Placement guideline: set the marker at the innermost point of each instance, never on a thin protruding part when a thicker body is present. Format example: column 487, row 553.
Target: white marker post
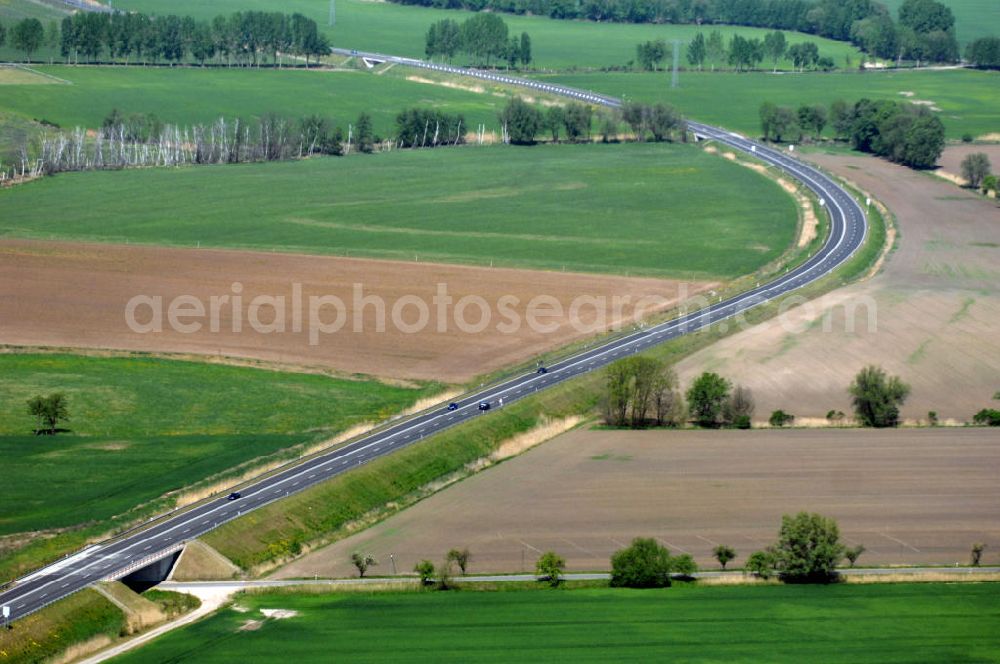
column 6, row 616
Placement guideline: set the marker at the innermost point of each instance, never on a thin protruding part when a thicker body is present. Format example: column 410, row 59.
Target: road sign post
column 6, row 616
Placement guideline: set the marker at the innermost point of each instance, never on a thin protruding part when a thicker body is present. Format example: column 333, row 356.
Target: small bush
column 780, row 418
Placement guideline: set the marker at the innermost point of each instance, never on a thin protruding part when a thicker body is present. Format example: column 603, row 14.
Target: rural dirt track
column 74, row 295
column 937, row 306
column 910, row 496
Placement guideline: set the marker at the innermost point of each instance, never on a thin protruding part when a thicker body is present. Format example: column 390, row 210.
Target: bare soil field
column 76, row 295
column 930, row 316
column 910, row 496
column 951, row 159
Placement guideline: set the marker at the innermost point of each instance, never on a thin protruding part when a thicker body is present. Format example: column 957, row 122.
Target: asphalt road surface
column 116, row 558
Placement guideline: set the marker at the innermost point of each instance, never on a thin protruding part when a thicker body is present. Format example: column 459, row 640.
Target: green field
column 973, row 18
column 969, row 100
column 194, row 95
column 668, row 210
column 400, row 30
column 141, row 427
column 876, row 623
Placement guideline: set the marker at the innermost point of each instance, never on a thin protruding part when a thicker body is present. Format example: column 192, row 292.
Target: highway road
column 116, row 558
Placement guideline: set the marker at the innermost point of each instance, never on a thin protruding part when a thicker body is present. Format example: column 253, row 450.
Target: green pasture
column 142, row 427
column 846, row 623
column 187, row 95
column 969, row 101
column 666, row 210
column 400, row 30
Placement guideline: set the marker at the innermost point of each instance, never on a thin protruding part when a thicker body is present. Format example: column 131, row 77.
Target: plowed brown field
column 931, row 315
column 75, row 295
column 910, row 496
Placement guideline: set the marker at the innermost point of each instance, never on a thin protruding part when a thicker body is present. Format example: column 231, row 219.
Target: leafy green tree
column 460, row 557
column 975, row 167
column 364, row 135
column 724, row 554
column 28, row 36
column 803, row 55
column 706, row 398
column 989, row 184
column 780, row 418
column 522, row 121
column 443, row 39
column 425, row 570
column 363, row 562
column 984, row 53
column 525, row 53
column 3, row 34
column 49, row 411
column 923, row 142
column 715, row 48
column 877, row 397
column 853, row 553
column 664, row 122
column 642, row 564
column 987, row 417
column 577, row 118
column 775, row 46
column 813, row 119
column 841, row 118
column 485, row 37
column 697, row 51
column 808, row 547
column 683, row 565
column 761, row 563
column 977, row 553
column 650, row 54
column 513, row 53
column 554, row 121
column 549, row 568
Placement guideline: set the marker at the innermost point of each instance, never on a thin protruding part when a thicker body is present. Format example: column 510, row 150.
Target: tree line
column 740, row 53
column 902, row 132
column 923, row 31
column 142, row 140
column 643, row 391
column 483, row 38
column 522, row 123
column 984, row 53
column 243, row 38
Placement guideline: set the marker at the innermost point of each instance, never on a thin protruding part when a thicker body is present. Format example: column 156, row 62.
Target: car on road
column 542, row 370
column 484, row 405
column 453, row 406
column 235, row 495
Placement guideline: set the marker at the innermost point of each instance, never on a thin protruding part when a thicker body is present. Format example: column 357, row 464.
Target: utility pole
column 333, row 12
column 677, row 57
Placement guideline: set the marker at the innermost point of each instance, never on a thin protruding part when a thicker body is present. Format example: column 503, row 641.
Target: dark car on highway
column 542, row 370
column 453, row 406
column 484, row 405
column 234, row 495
